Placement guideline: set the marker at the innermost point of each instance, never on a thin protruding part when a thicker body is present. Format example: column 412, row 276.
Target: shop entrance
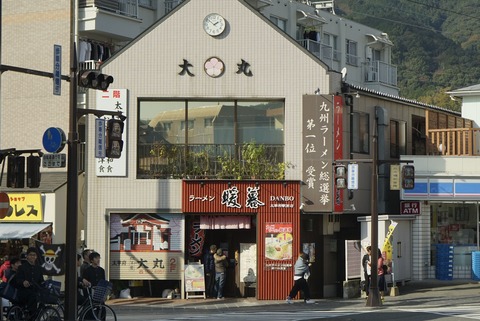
column 227, row 232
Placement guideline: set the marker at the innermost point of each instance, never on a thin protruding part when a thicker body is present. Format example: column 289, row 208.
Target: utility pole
column 373, row 299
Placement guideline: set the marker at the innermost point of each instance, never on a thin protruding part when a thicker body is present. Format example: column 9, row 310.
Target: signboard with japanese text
column 318, row 153
column 338, row 146
column 222, row 196
column 113, row 100
column 278, row 241
column 410, row 207
column 24, row 208
column 146, row 246
column 146, row 265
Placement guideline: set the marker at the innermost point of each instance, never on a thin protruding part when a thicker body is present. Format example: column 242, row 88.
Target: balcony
column 454, row 141
column 246, row 161
column 116, row 20
column 324, row 52
column 378, row 71
column 127, row 8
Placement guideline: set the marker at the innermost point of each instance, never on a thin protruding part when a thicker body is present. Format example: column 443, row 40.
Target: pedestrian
column 94, row 273
column 29, row 280
column 81, row 283
column 15, row 263
column 382, row 285
column 221, row 265
column 4, row 267
column 301, row 274
column 86, row 260
column 367, row 269
column 209, row 267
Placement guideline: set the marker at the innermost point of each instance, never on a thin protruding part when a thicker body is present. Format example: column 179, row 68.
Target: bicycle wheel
column 15, row 313
column 98, row 312
column 48, row 314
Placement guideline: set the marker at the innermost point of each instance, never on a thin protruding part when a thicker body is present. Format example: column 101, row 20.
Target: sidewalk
column 413, row 293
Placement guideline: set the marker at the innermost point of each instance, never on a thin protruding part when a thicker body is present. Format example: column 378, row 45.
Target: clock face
column 214, row 24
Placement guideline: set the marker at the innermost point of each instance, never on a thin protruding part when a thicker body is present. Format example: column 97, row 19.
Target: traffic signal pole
column 72, row 180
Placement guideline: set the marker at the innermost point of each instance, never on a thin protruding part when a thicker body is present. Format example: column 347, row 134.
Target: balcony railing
column 454, row 141
column 378, row 71
column 322, row 51
column 169, row 161
column 127, row 8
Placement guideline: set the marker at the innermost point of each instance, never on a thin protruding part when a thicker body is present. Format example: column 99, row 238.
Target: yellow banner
column 387, row 245
column 24, row 208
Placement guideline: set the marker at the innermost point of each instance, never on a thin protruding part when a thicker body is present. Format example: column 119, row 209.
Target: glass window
column 281, row 23
column 172, row 132
column 398, row 138
column 351, row 54
column 360, row 133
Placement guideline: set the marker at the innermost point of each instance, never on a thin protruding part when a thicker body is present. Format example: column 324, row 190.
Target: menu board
column 248, row 262
column 194, row 277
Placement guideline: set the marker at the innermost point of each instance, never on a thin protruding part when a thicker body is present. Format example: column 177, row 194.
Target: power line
column 443, row 9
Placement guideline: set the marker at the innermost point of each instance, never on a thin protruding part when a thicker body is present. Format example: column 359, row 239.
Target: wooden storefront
column 276, row 207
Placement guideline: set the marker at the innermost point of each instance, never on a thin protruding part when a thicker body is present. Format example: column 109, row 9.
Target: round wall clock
column 214, row 24
column 214, row 67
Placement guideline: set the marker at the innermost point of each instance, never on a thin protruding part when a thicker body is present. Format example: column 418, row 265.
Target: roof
column 466, row 91
column 404, row 100
column 49, row 183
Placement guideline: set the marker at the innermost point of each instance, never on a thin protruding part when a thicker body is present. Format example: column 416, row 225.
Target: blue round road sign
column 54, row 140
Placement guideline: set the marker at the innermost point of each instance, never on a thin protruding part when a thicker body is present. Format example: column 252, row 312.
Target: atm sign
column 410, row 208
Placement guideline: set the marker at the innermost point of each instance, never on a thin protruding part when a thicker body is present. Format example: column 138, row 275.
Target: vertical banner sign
column 395, row 177
column 100, row 143
column 57, row 70
column 317, row 145
column 338, row 146
column 114, row 100
column 387, row 248
column 352, row 176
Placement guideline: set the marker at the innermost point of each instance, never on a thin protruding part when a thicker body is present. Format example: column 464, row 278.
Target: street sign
column 57, row 70
column 352, row 176
column 395, row 177
column 54, row 160
column 54, row 140
column 100, row 139
column 410, row 207
column 4, row 204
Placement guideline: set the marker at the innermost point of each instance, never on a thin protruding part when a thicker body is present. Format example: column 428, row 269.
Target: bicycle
column 94, row 307
column 45, row 311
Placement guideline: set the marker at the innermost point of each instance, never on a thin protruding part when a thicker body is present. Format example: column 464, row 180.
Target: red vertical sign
column 338, row 147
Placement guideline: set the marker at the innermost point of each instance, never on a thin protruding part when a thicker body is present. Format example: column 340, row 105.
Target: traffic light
column 33, row 171
column 340, row 176
column 114, row 138
column 16, row 171
column 408, row 177
column 94, row 80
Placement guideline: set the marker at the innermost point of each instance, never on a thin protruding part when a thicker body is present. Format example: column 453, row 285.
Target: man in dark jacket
column 209, row 267
column 29, row 280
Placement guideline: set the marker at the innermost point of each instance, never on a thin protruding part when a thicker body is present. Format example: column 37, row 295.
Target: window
column 187, row 125
column 398, row 138
column 216, row 129
column 331, row 40
column 281, row 23
column 352, row 58
column 208, row 122
column 360, row 133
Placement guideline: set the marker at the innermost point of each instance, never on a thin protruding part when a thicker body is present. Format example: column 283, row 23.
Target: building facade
column 231, row 135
